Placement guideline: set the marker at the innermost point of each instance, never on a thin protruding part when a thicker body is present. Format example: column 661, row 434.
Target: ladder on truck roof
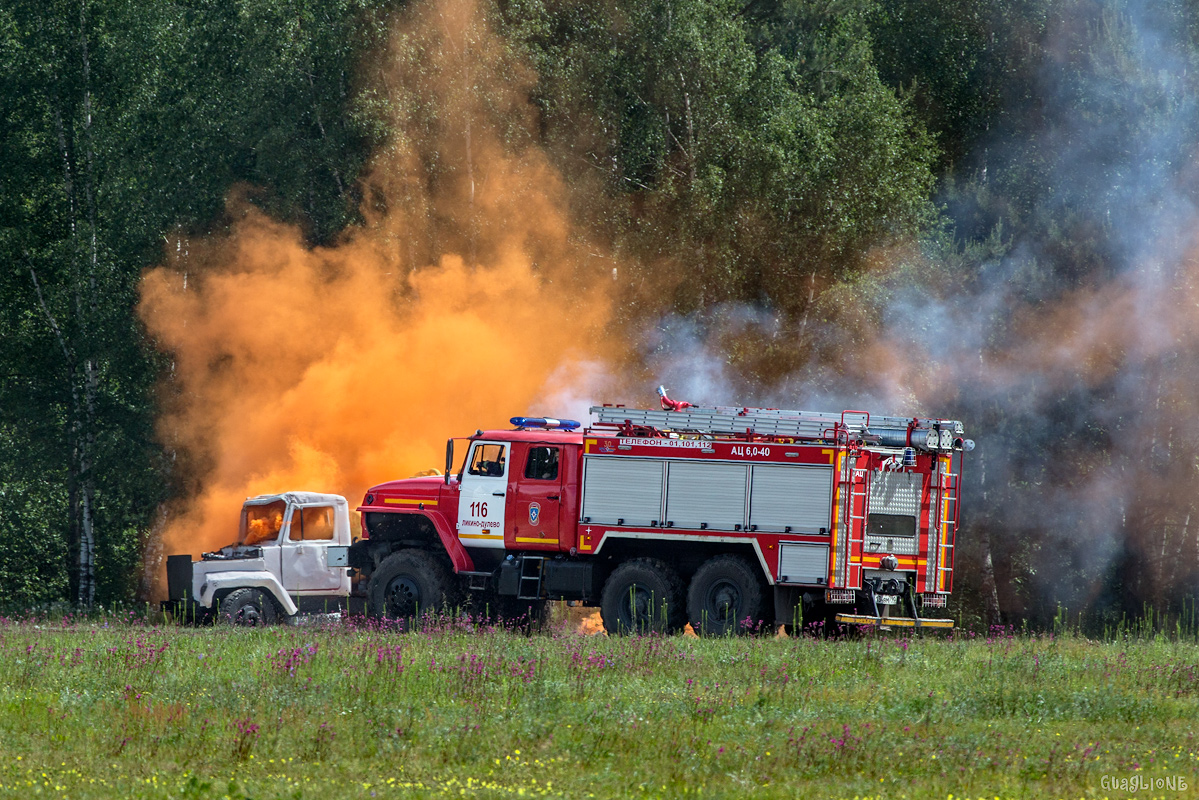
column 734, row 421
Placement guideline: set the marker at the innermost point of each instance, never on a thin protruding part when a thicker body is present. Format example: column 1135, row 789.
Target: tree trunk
column 87, row 537
column 990, row 588
column 83, row 383
column 470, row 178
column 690, row 136
column 87, row 531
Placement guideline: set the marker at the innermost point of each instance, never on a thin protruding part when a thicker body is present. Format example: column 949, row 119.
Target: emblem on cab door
column 534, row 513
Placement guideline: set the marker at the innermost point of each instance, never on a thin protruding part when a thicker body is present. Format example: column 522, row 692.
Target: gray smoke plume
column 1072, row 356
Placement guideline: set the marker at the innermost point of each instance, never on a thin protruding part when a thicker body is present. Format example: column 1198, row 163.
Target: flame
column 587, row 622
column 336, row 368
column 263, row 522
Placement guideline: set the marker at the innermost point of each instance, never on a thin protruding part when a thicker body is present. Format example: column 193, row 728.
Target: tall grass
column 117, row 707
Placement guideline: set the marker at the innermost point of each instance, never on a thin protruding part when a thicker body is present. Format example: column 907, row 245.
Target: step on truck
column 726, row 518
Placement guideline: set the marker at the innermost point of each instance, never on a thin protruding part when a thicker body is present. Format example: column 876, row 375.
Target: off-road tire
column 251, row 608
column 725, row 597
column 642, row 595
column 408, row 584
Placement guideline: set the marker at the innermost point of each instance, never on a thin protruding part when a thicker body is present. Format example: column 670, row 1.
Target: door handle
column 497, row 494
column 552, row 497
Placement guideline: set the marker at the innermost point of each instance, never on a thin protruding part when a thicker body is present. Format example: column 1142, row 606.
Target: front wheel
column 644, row 595
column 725, row 597
column 407, row 584
column 249, row 608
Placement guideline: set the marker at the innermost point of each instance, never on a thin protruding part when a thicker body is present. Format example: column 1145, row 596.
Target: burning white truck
column 291, row 556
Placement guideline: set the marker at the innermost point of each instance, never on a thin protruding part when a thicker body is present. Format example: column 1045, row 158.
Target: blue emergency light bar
column 548, row 423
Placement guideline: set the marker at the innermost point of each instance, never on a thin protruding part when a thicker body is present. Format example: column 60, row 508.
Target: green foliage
column 32, row 511
column 123, row 125
column 967, row 65
column 750, row 148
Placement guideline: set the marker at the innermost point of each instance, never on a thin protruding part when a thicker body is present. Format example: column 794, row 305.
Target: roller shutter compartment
column 803, row 563
column 795, row 498
column 706, row 495
column 628, row 489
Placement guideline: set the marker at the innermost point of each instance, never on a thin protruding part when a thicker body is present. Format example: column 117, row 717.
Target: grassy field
column 118, row 708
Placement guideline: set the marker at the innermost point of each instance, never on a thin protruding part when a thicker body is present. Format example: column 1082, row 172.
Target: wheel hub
column 724, row 598
column 403, row 596
column 638, row 607
column 250, row 615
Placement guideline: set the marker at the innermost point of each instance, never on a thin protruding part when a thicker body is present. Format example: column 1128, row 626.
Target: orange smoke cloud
column 450, row 309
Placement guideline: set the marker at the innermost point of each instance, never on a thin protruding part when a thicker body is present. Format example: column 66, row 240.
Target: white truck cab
column 291, row 556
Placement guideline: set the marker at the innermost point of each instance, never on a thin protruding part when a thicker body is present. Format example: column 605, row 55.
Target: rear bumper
column 893, row 622
column 179, row 577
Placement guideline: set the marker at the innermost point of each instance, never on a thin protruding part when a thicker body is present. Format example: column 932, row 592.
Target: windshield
column 261, row 523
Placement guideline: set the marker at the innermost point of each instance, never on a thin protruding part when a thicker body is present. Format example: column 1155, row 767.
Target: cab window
column 542, row 464
column 311, row 524
column 488, row 460
column 262, row 523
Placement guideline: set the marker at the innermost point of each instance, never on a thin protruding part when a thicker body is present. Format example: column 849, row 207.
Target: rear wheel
column 250, row 608
column 409, row 583
column 725, row 597
column 644, row 595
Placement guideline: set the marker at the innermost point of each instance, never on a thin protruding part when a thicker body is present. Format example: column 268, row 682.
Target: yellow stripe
column 480, row 536
column 587, row 445
column 397, row 501
column 537, row 541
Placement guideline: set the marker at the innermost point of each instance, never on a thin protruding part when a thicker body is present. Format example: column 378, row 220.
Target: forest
column 248, row 243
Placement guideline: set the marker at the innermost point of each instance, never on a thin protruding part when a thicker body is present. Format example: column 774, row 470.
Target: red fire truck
column 727, row 518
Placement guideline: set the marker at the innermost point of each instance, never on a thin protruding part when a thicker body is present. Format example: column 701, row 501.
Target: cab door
column 305, row 551
column 537, row 486
column 484, row 489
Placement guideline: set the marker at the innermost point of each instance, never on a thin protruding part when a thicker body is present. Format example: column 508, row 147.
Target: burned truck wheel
column 407, row 584
column 725, row 597
column 247, row 607
column 641, row 596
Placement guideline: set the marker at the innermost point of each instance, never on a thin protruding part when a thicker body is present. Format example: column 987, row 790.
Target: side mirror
column 449, row 459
